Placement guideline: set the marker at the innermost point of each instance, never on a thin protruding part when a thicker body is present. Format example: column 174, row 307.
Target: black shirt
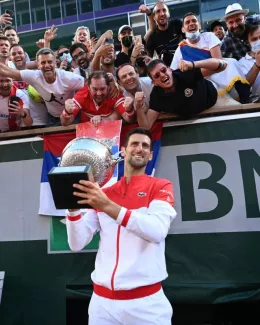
column 193, row 94
column 122, row 57
column 165, row 42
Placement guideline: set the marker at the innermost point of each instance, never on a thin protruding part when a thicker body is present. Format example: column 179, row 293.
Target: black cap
column 216, row 23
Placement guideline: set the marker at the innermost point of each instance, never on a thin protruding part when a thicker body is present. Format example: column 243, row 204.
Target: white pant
column 151, row 310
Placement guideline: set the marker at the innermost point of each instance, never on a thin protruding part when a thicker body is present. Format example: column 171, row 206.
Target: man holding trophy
column 133, row 217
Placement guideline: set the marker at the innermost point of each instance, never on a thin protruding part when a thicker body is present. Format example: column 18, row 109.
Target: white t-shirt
column 207, row 41
column 55, row 94
column 5, row 117
column 146, row 86
column 246, row 64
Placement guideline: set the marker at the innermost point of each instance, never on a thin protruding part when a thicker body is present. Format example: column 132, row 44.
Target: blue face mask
column 193, row 36
column 255, row 46
column 66, row 56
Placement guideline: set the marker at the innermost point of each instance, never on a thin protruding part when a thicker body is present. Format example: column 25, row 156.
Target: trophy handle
column 116, row 158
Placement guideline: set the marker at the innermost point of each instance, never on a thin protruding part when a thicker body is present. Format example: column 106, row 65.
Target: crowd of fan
column 174, row 68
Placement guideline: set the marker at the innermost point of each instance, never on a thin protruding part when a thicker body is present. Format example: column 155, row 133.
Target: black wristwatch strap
column 24, row 115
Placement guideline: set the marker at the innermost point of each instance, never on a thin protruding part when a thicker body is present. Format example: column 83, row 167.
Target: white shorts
column 151, row 310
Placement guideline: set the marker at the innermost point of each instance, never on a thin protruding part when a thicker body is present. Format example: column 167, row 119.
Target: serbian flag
column 53, row 147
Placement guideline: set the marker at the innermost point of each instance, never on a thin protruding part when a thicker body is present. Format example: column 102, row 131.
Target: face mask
column 255, row 46
column 193, row 36
column 127, row 41
column 66, row 56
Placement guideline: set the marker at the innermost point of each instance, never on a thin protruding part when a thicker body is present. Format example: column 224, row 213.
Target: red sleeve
column 165, row 193
column 118, row 106
column 80, row 99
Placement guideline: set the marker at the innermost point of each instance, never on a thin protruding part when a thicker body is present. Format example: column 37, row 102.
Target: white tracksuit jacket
column 131, row 251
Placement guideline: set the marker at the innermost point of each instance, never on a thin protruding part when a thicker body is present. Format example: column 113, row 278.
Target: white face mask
column 255, row 46
column 193, row 36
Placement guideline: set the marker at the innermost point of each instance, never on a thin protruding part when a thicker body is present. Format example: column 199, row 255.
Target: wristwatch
column 24, row 115
column 150, row 13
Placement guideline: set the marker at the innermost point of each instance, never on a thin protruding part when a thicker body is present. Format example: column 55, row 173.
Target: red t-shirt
column 89, row 108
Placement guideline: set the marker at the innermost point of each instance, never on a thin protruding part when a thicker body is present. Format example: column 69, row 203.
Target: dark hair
column 10, row 28
column 138, row 130
column 152, row 64
column 62, row 47
column 159, row 3
column 98, row 75
column 4, row 38
column 250, row 29
column 188, row 14
column 216, row 23
column 124, row 65
column 74, row 46
column 43, row 52
column 14, row 45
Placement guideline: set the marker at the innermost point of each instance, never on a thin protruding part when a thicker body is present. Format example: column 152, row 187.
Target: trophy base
column 61, row 181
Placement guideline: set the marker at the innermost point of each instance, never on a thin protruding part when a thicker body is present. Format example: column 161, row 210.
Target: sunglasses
column 61, row 54
column 76, row 56
column 157, row 74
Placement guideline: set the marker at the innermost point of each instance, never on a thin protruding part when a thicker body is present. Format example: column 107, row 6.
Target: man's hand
column 96, row 120
column 143, row 9
column 185, row 65
column 64, row 64
column 40, row 43
column 138, row 50
column 128, row 104
column 93, row 42
column 6, row 19
column 70, row 106
column 16, row 108
column 92, row 195
column 105, row 49
column 50, row 34
column 139, row 99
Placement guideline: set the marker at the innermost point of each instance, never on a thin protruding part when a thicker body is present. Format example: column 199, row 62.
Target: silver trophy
column 83, row 158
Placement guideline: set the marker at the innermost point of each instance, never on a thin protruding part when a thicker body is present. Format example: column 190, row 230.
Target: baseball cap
column 124, row 27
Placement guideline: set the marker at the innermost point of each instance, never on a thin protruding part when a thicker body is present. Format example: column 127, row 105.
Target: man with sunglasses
column 65, row 58
column 184, row 92
column 80, row 56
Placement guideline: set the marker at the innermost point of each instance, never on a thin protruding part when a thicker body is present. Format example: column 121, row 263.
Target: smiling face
column 47, row 63
column 236, row 23
column 128, row 78
column 18, row 57
column 82, row 36
column 190, row 24
column 162, row 76
column 138, row 152
column 161, row 14
column 80, row 57
column 5, row 85
column 98, row 90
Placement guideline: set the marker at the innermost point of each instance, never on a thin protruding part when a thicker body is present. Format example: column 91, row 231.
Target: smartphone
column 9, row 12
column 138, row 38
column 109, row 41
column 14, row 99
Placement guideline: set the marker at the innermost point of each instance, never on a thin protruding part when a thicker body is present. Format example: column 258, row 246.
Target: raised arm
column 151, row 23
column 5, row 71
column 208, row 67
